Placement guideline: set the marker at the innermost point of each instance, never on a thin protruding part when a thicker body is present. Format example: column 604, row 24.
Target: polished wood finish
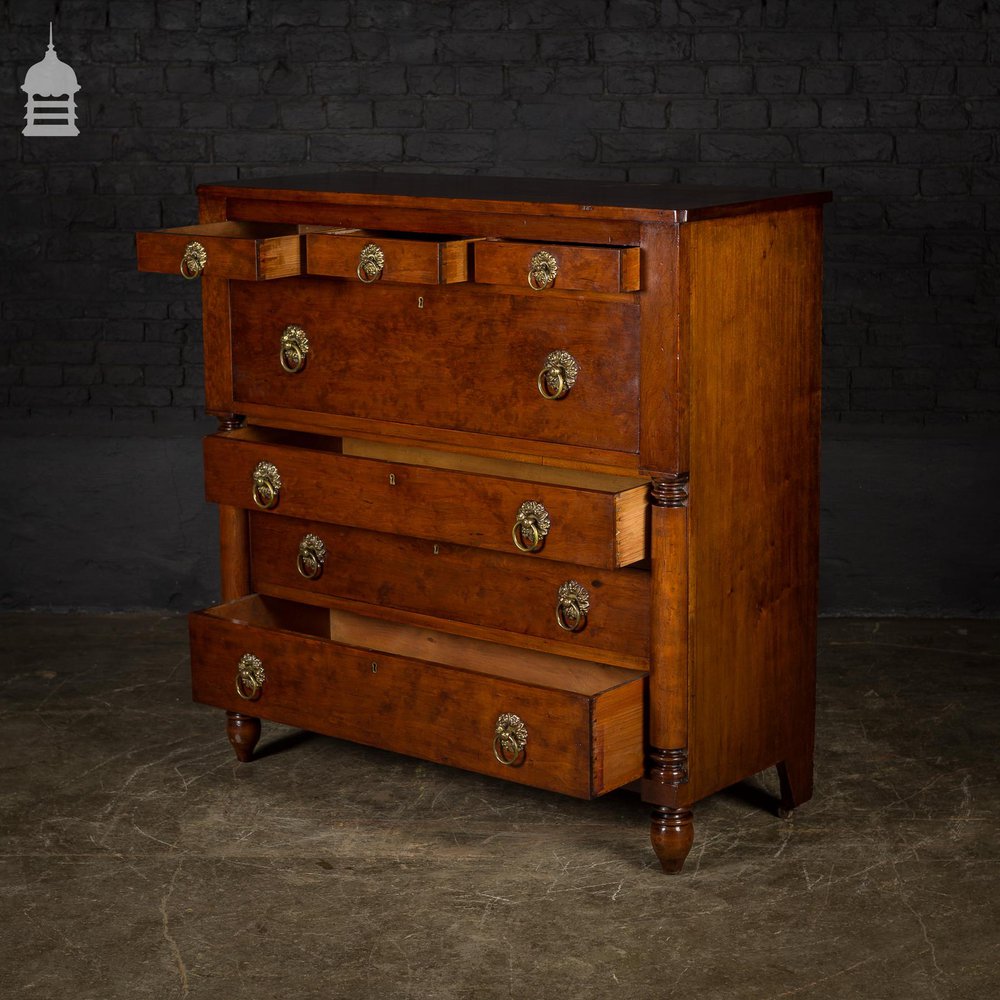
column 248, row 251
column 598, row 525
column 425, row 695
column 460, row 357
column 589, row 269
column 680, row 473
column 244, row 733
column 419, row 259
column 452, row 585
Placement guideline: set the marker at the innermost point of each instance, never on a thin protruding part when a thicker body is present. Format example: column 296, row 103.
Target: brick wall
column 892, row 104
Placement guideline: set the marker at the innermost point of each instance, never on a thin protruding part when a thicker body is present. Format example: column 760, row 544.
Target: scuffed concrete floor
column 140, row 860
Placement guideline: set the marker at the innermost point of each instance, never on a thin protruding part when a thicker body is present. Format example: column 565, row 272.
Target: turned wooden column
column 234, row 552
column 665, row 785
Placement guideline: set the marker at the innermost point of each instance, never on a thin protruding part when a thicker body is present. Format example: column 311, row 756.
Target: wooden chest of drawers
column 518, row 476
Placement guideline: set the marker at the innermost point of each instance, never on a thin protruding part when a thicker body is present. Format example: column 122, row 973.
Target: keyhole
column 437, row 550
column 420, row 302
column 374, row 668
column 392, row 478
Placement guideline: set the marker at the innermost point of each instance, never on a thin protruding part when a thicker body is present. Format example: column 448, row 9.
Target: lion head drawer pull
column 558, row 375
column 193, row 260
column 572, row 606
column 371, row 260
column 542, row 270
column 510, row 737
column 294, row 348
column 266, row 485
column 249, row 677
column 531, row 527
column 312, row 555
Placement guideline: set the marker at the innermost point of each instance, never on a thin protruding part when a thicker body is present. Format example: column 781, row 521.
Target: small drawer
column 371, row 257
column 543, row 266
column 585, row 518
column 246, row 251
column 563, row 607
column 566, row 725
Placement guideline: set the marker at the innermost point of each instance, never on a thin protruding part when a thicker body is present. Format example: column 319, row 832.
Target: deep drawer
column 422, row 693
column 584, row 518
column 247, row 251
column 455, row 357
column 532, row 602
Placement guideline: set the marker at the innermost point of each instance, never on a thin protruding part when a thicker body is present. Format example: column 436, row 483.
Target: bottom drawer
column 578, row 726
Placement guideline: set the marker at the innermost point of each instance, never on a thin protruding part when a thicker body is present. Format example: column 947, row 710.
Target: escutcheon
column 531, row 527
column 558, row 375
column 193, row 260
column 542, row 270
column 371, row 261
column 249, row 677
column 294, row 348
column 312, row 555
column 266, row 485
column 510, row 737
column 572, row 605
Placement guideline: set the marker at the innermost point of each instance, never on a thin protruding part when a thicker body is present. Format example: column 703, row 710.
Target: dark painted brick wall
column 892, row 104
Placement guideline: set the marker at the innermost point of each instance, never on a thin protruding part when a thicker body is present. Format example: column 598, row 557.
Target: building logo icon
column 51, row 88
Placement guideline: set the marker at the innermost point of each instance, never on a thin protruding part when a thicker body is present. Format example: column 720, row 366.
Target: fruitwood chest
column 516, row 476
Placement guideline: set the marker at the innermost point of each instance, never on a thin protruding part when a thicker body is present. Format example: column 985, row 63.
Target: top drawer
column 247, row 251
column 416, row 258
column 542, row 266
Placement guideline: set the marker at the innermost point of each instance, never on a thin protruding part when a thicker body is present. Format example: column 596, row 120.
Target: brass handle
column 572, row 606
column 266, row 485
column 312, row 555
column 558, row 375
column 294, row 348
column 371, row 260
column 542, row 270
column 510, row 737
column 249, row 677
column 193, row 260
column 531, row 527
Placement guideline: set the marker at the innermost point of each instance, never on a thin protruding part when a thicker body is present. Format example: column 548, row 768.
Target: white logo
column 50, row 86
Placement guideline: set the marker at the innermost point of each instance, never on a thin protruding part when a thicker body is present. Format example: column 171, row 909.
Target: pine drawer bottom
column 567, row 725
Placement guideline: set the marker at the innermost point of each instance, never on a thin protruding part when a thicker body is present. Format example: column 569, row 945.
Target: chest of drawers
column 516, row 476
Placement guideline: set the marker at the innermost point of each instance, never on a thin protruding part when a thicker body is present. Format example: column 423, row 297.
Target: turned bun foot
column 243, row 732
column 671, row 834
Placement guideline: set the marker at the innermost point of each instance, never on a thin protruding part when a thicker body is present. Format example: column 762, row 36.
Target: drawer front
column 478, row 587
column 247, row 251
column 375, row 257
column 593, row 527
column 544, row 266
column 460, row 358
column 582, row 743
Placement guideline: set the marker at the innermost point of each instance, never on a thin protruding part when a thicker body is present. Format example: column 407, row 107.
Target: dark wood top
column 525, row 195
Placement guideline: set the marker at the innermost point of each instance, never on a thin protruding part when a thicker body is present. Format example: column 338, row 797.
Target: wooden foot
column 795, row 775
column 243, row 732
column 671, row 833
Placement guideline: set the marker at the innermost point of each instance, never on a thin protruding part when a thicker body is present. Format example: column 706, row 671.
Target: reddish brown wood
column 234, row 552
column 671, row 834
column 593, row 526
column 444, row 711
column 243, row 732
column 459, row 357
column 589, row 269
column 414, row 260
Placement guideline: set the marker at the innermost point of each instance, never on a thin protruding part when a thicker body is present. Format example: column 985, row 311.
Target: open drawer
column 369, row 256
column 542, row 266
column 581, row 517
column 567, row 725
column 246, row 251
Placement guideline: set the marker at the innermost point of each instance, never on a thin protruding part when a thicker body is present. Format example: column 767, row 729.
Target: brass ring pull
column 193, row 260
column 371, row 260
column 531, row 527
column 510, row 737
column 572, row 606
column 249, row 677
column 542, row 271
column 558, row 375
column 312, row 555
column 266, row 485
column 294, row 348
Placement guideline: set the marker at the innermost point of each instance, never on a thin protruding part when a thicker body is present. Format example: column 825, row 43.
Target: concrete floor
column 140, row 860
